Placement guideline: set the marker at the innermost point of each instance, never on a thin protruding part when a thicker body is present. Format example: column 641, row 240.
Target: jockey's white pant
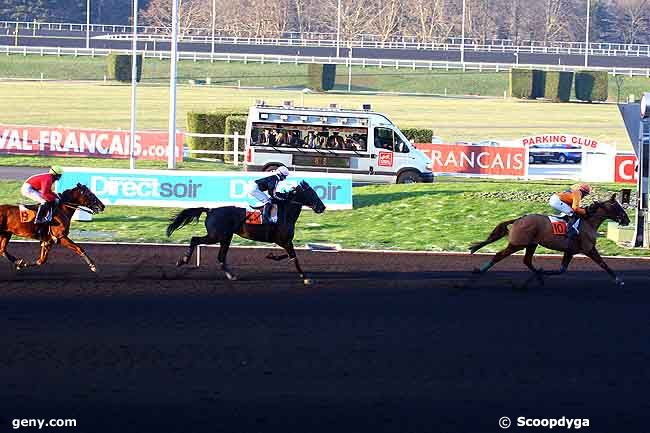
column 28, row 191
column 260, row 196
column 559, row 205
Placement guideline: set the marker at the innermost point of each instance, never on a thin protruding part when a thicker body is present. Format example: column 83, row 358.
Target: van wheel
column 562, row 159
column 271, row 167
column 408, row 176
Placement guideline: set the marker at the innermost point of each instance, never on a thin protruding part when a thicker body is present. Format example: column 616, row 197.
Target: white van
column 360, row 142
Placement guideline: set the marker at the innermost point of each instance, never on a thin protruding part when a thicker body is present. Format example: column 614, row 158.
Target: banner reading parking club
column 81, row 142
column 184, row 189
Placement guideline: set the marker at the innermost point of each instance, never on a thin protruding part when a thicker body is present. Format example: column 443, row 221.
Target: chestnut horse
column 71, row 199
column 532, row 230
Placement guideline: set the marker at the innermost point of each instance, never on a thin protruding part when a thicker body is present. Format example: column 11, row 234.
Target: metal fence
column 321, row 39
column 345, row 61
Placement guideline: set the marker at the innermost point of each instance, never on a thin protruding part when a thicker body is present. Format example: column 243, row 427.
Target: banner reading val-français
column 82, row 142
column 166, row 188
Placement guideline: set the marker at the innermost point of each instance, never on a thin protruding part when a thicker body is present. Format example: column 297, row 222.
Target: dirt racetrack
column 380, row 343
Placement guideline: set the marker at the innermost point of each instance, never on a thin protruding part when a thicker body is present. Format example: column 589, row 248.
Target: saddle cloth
column 253, row 216
column 558, row 225
column 27, row 213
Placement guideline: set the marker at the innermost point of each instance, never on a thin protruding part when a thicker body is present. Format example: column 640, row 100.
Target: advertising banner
column 566, row 140
column 80, row 142
column 477, row 160
column 184, row 189
column 625, row 168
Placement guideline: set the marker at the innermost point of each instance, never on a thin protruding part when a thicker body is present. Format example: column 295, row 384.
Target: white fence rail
column 226, row 36
column 235, row 137
column 345, row 61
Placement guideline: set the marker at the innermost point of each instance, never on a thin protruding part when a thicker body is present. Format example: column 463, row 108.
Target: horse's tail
column 499, row 231
column 185, row 217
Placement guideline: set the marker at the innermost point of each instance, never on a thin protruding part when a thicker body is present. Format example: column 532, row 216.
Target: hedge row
column 208, row 123
column 236, row 123
column 118, row 67
column 321, row 78
column 418, row 135
column 592, row 85
column 556, row 86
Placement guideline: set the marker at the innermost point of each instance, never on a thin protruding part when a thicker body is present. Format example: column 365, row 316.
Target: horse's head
column 305, row 195
column 611, row 209
column 81, row 195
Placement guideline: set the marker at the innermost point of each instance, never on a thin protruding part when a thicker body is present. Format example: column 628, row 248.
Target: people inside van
column 268, row 137
column 311, row 141
column 283, row 138
column 295, row 140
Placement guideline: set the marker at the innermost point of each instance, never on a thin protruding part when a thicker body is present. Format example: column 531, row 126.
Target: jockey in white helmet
column 265, row 190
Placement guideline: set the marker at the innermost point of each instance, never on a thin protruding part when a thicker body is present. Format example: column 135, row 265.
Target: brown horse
column 71, row 199
column 532, row 230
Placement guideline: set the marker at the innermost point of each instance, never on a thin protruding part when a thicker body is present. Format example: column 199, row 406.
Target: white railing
column 345, row 61
column 323, row 39
column 236, row 137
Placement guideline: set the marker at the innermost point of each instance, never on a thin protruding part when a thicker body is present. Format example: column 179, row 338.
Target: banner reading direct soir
column 163, row 188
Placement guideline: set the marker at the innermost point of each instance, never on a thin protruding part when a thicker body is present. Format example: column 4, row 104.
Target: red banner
column 481, row 160
column 625, row 169
column 95, row 143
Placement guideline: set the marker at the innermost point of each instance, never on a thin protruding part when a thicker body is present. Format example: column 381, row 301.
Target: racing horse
column 70, row 200
column 223, row 222
column 532, row 230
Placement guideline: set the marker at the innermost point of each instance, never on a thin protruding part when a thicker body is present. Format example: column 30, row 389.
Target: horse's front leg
column 291, row 252
column 46, row 247
column 68, row 243
column 594, row 255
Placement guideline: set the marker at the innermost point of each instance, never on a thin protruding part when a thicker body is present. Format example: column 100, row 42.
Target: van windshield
column 309, row 136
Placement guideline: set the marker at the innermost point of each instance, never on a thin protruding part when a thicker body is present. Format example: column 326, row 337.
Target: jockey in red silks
column 39, row 189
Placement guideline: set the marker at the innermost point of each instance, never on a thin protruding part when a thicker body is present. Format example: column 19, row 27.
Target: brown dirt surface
column 381, row 342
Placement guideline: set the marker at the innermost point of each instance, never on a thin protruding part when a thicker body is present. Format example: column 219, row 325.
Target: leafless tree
column 192, row 14
column 429, row 18
column 633, row 22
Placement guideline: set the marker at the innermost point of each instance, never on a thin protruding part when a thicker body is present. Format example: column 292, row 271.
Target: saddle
column 253, row 216
column 27, row 212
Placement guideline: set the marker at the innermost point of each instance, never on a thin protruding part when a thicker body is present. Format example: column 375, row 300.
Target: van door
column 384, row 154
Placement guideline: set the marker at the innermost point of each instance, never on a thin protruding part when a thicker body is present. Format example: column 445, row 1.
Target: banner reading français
column 81, row 142
column 184, row 189
column 475, row 160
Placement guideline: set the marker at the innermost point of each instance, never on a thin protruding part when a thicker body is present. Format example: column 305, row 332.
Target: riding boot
column 266, row 213
column 41, row 213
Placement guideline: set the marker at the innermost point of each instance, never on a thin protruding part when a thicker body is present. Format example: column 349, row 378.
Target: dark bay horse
column 532, row 230
column 71, row 200
column 223, row 222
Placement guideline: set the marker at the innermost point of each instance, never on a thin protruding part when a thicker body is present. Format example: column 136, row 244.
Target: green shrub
column 207, row 123
column 321, row 78
column 539, row 83
column 418, row 135
column 592, row 85
column 119, row 67
column 234, row 124
column 521, row 83
column 558, row 86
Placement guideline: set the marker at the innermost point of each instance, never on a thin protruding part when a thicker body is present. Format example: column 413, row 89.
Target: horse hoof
column 476, row 271
column 182, row 261
column 307, row 281
column 619, row 282
column 20, row 264
column 93, row 268
column 231, row 277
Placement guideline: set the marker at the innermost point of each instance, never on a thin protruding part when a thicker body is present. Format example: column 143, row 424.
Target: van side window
column 400, row 145
column 384, row 139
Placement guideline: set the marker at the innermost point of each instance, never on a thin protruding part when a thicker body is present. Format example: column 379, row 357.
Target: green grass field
column 77, row 104
column 445, row 216
column 372, row 79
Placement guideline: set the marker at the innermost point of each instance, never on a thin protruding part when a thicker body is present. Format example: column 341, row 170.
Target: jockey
column 569, row 203
column 39, row 189
column 269, row 185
